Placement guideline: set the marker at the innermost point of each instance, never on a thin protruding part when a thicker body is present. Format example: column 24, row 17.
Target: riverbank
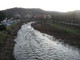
column 34, row 45
column 7, row 41
column 64, row 33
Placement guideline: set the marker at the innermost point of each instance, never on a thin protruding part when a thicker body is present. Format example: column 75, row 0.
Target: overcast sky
column 51, row 5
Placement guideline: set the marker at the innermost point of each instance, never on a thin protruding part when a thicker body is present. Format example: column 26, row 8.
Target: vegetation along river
column 34, row 45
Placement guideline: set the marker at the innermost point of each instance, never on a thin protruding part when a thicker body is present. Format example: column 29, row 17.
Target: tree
column 2, row 16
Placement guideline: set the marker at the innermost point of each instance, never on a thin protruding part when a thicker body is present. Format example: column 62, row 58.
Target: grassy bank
column 75, row 30
column 7, row 41
column 65, row 33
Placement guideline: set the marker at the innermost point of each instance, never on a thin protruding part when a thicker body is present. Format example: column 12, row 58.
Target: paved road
column 34, row 45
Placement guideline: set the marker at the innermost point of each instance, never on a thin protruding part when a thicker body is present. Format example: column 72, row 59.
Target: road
column 34, row 45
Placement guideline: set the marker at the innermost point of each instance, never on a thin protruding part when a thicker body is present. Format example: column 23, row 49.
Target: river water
column 34, row 45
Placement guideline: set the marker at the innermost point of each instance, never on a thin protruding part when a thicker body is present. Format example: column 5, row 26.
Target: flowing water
column 34, row 45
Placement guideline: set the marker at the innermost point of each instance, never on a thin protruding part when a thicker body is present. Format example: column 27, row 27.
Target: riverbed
column 34, row 45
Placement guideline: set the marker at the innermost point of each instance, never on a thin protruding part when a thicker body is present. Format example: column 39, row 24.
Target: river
column 34, row 45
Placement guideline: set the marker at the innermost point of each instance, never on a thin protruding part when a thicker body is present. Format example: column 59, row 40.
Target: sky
column 48, row 5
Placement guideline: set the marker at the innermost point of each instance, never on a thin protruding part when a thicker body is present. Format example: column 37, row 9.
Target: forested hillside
column 24, row 13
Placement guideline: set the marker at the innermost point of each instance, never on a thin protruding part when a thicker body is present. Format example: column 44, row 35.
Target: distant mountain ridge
column 34, row 11
column 22, row 11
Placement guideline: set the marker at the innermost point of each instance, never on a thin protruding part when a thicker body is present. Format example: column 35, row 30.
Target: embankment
column 63, row 34
column 7, row 41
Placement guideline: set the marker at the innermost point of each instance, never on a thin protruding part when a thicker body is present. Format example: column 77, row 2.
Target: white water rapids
column 34, row 45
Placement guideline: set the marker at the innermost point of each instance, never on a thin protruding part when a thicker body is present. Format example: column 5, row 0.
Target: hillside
column 23, row 12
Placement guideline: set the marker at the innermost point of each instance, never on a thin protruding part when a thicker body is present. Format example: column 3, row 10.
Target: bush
column 2, row 27
column 2, row 16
